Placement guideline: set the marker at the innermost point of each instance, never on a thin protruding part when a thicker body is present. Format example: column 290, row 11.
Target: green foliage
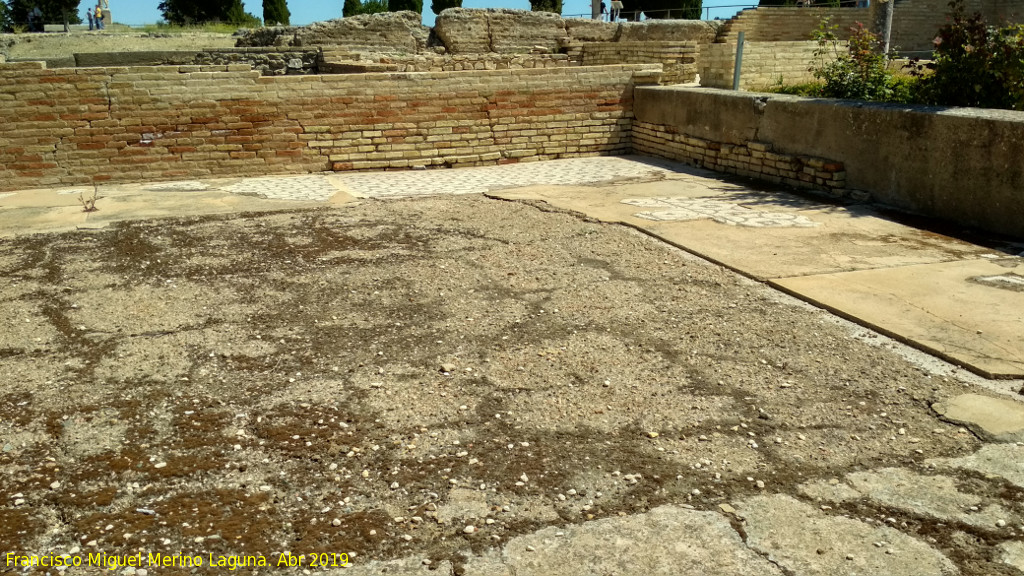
column 546, row 6
column 275, row 12
column 6, row 25
column 402, row 5
column 976, row 64
column 861, row 72
column 192, row 12
column 355, row 7
column 438, row 6
column 54, row 12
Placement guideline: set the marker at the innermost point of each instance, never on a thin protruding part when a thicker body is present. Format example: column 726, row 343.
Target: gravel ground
column 374, row 379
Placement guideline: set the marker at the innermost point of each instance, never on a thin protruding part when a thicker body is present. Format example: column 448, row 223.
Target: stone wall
column 88, row 125
column 459, row 62
column 785, row 23
column 268, row 61
column 915, row 22
column 678, row 59
column 765, row 64
column 398, row 31
column 961, row 165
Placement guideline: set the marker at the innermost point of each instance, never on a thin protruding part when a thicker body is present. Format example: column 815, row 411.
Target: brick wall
column 915, row 22
column 938, row 163
column 784, row 23
column 765, row 64
column 751, row 159
column 80, row 125
column 678, row 59
column 449, row 62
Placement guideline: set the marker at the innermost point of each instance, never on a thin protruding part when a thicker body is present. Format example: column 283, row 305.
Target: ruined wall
column 678, row 59
column 960, row 164
column 402, row 31
column 459, row 62
column 765, row 64
column 81, row 125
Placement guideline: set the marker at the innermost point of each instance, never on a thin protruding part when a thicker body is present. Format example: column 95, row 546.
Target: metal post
column 739, row 62
column 890, row 7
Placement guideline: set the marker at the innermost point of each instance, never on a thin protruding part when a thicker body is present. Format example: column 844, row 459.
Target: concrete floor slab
column 763, row 234
column 994, row 419
column 949, row 309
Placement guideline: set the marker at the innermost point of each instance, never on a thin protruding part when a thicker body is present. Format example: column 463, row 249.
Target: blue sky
column 306, row 11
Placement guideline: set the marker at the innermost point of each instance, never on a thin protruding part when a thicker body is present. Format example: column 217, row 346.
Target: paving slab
column 806, row 541
column 994, row 419
column 1005, row 461
column 948, row 309
column 931, row 496
column 667, row 541
column 764, row 234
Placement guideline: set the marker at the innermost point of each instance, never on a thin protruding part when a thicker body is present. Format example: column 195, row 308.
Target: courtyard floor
column 588, row 366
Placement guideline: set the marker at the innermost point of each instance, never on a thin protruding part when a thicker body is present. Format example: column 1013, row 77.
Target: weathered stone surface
column 1003, row 460
column 464, row 30
column 588, row 30
column 669, row 540
column 463, row 504
column 934, row 496
column 404, row 567
column 994, row 419
column 660, row 30
column 806, row 541
column 399, row 31
column 1012, row 553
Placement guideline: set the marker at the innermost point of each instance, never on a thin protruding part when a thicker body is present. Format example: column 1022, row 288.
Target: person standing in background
column 99, row 17
column 616, row 9
column 88, row 14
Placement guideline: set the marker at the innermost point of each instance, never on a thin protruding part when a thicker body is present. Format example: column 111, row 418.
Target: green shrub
column 861, row 72
column 976, row 64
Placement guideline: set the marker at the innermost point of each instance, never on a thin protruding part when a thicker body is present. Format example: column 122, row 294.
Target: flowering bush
column 975, row 64
column 860, row 72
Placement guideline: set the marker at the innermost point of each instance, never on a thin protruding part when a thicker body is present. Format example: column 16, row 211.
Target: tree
column 54, row 11
column 239, row 17
column 276, row 12
column 546, row 6
column 5, row 18
column 355, row 7
column 188, row 12
column 438, row 6
column 401, row 5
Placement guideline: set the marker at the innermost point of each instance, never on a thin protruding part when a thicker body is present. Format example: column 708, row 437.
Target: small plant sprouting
column 89, row 203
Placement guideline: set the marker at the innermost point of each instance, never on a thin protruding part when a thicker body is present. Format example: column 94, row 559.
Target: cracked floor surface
column 466, row 386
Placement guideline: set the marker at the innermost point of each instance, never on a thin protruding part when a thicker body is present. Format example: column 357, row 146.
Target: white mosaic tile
column 184, row 186
column 567, row 172
column 682, row 209
column 304, row 188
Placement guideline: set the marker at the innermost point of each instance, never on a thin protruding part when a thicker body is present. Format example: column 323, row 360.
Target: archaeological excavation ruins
column 514, row 294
